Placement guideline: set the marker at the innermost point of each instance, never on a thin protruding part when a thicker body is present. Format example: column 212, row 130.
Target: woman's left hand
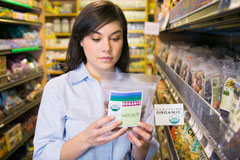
column 141, row 135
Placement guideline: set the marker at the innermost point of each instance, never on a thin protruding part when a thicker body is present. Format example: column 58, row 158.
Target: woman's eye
column 96, row 39
column 116, row 39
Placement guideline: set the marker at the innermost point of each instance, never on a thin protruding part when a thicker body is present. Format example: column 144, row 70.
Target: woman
column 71, row 122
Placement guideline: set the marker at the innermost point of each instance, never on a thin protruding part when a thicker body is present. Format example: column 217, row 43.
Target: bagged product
column 172, row 56
column 129, row 96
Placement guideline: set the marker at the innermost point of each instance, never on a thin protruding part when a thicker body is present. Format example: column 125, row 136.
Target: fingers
column 102, row 121
column 145, row 135
column 147, row 127
column 109, row 127
column 117, row 134
column 134, row 140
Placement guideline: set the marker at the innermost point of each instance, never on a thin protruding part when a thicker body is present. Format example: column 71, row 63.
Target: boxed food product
column 18, row 15
column 31, row 17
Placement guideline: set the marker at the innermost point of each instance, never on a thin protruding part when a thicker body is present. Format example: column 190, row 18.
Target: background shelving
column 13, row 82
column 210, row 24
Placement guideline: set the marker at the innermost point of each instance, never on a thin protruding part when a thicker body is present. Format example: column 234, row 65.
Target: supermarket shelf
column 136, row 45
column 20, row 50
column 208, row 17
column 19, row 6
column 24, row 140
column 136, row 31
column 19, row 112
column 61, row 15
column 171, row 148
column 136, row 70
column 137, row 56
column 63, row 34
column 21, row 81
column 56, row 48
column 15, row 21
column 202, row 114
column 135, row 20
column 57, row 72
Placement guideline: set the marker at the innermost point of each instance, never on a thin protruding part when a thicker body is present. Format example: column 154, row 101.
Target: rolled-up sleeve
column 49, row 133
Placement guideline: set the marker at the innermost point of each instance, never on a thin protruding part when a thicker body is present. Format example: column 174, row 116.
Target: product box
column 12, row 132
column 31, row 17
column 5, row 12
column 18, row 15
column 14, row 141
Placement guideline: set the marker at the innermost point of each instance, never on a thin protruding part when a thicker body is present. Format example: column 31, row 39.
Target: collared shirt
column 69, row 104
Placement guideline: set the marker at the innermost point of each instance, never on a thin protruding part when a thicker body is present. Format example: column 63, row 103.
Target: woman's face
column 103, row 47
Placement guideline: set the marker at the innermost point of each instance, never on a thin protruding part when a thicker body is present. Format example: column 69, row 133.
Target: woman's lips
column 106, row 59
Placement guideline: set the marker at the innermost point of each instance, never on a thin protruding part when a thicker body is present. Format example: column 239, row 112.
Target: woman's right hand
column 99, row 132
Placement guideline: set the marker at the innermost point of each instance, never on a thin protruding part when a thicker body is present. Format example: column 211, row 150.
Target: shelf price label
column 191, row 121
column 195, row 128
column 208, row 150
column 199, row 135
column 234, row 4
column 169, row 114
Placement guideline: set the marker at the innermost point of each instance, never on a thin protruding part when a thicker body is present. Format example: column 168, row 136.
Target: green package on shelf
column 18, row 3
column 25, row 49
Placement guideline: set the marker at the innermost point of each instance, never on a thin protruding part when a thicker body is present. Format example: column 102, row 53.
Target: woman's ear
column 81, row 44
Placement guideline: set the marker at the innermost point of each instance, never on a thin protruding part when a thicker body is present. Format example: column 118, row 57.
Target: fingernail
column 119, row 122
column 125, row 128
column 112, row 117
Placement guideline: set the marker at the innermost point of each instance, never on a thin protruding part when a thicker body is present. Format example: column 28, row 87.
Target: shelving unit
column 213, row 23
column 15, row 115
column 49, row 18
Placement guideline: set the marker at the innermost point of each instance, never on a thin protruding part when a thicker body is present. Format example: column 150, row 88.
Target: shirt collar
column 81, row 73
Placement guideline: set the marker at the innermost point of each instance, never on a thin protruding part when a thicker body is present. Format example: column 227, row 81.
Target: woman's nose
column 107, row 46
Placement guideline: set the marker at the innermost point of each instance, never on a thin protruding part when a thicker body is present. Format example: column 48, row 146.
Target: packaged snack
column 126, row 95
column 172, row 56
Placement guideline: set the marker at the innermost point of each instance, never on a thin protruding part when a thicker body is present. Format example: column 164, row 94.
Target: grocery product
column 65, row 25
column 57, row 25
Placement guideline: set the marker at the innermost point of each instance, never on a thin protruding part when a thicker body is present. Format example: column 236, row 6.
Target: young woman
column 71, row 122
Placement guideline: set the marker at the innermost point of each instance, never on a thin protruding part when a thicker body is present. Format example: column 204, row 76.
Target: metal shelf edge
column 23, row 80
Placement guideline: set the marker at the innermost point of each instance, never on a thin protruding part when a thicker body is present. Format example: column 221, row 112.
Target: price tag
column 195, row 128
column 176, row 98
column 186, row 20
column 174, row 95
column 199, row 135
column 208, row 150
column 191, row 121
column 234, row 4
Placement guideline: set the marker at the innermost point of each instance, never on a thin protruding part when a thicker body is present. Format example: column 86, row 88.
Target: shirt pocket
column 74, row 125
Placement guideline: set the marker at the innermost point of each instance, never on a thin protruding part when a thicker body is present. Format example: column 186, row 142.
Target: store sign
column 169, row 114
column 151, row 28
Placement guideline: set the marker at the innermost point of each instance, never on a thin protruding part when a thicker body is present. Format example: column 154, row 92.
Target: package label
column 126, row 106
column 169, row 114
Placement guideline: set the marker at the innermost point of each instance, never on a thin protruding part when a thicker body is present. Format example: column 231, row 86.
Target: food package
column 172, row 56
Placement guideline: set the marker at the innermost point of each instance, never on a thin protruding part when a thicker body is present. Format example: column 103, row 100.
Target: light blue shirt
column 69, row 104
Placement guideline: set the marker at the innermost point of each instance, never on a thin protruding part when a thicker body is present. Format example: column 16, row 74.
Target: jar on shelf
column 57, row 6
column 56, row 25
column 65, row 25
